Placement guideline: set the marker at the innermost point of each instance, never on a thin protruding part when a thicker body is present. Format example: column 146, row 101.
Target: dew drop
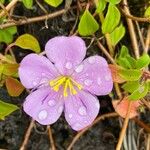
column 42, row 114
column 34, row 83
column 68, row 65
column 88, row 82
column 51, row 102
column 91, row 60
column 99, row 81
column 82, row 111
column 79, row 69
column 141, row 89
column 70, row 116
column 60, row 109
column 107, row 77
column 43, row 74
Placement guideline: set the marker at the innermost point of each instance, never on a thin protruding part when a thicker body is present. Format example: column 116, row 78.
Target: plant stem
column 8, row 7
column 124, row 128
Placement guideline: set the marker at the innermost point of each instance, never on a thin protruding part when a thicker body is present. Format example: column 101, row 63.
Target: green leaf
column 114, row 1
column 10, row 69
column 124, row 51
column 5, row 36
column 131, row 86
column 130, row 74
column 117, row 34
column 132, row 61
column 111, row 20
column 6, row 109
column 2, row 1
column 12, row 30
column 100, row 6
column 27, row 41
column 87, row 25
column 143, row 61
column 28, row 3
column 14, row 87
column 54, row 3
column 147, row 12
column 123, row 62
column 140, row 92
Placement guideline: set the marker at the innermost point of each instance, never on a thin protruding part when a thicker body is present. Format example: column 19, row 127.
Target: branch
column 8, row 7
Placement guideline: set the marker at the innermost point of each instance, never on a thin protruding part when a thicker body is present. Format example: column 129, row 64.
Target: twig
column 8, row 7
column 124, row 128
column 3, row 58
column 78, row 135
column 51, row 138
column 139, row 19
column 36, row 19
column 147, row 42
column 27, row 135
column 140, row 35
column 105, row 52
column 142, row 124
column 131, row 30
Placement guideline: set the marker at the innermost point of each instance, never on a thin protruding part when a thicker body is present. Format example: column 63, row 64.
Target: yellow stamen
column 79, row 86
column 72, row 89
column 67, row 83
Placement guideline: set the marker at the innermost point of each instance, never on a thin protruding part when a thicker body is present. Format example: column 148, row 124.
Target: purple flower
column 63, row 81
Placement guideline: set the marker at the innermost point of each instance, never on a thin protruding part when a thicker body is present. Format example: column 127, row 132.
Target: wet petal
column 66, row 52
column 35, row 69
column 81, row 110
column 44, row 106
column 94, row 75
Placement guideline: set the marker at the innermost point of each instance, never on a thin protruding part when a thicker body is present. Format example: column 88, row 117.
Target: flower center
column 69, row 85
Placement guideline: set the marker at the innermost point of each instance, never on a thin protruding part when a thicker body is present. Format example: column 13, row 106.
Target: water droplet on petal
column 42, row 114
column 77, row 126
column 51, row 102
column 43, row 74
column 99, row 81
column 34, row 83
column 91, row 60
column 88, row 82
column 82, row 111
column 70, row 116
column 60, row 109
column 68, row 65
column 79, row 69
column 107, row 77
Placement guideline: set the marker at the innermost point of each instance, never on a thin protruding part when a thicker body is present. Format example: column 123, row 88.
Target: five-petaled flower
column 63, row 81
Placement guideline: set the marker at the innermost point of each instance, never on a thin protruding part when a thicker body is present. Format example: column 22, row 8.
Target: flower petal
column 44, row 106
column 81, row 110
column 66, row 52
column 94, row 75
column 35, row 69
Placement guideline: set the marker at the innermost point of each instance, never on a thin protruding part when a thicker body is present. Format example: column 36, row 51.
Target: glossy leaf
column 131, row 86
column 6, row 35
column 6, row 109
column 140, row 92
column 121, row 107
column 100, row 6
column 117, row 34
column 143, row 61
column 111, row 20
column 27, row 41
column 130, row 74
column 54, row 3
column 87, row 25
column 28, row 3
column 14, row 87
